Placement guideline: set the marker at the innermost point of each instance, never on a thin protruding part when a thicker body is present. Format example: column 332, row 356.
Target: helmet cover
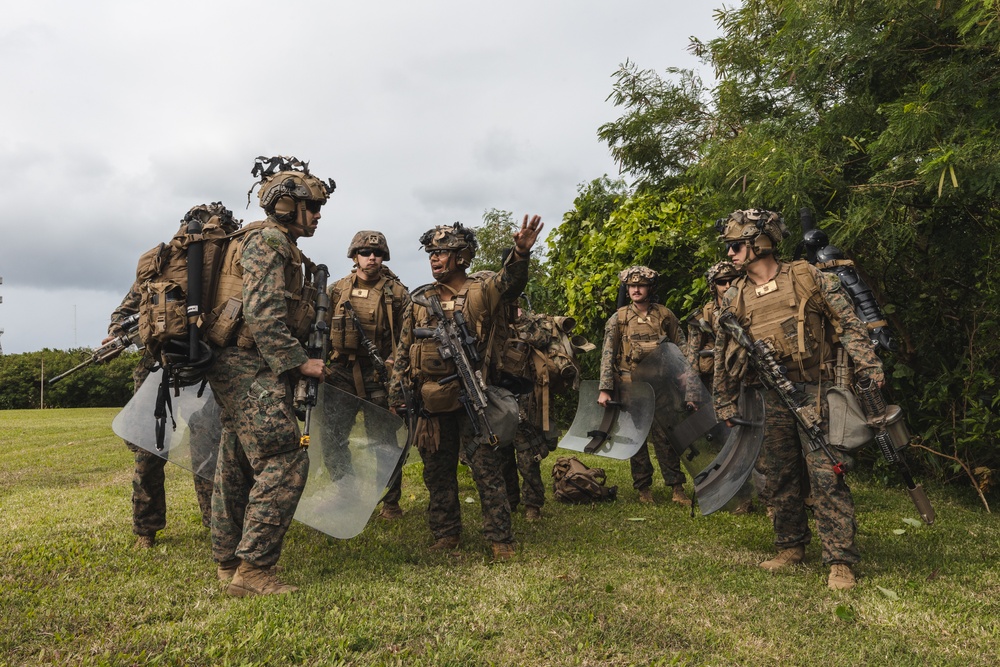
column 748, row 225
column 282, row 177
column 456, row 238
column 723, row 269
column 368, row 238
column 206, row 212
column 638, row 275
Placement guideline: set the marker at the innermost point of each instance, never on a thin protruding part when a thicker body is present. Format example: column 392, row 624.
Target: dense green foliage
column 105, row 385
column 614, row 584
column 878, row 115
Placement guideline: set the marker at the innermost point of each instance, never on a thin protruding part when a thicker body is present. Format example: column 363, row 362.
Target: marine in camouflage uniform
column 700, row 350
column 379, row 299
column 807, row 317
column 532, row 334
column 149, row 501
column 629, row 335
column 443, row 427
column 262, row 468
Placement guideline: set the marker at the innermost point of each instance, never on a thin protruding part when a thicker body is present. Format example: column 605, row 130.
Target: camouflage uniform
column 261, row 470
column 617, row 365
column 352, row 370
column 700, row 350
column 532, row 443
column 440, row 436
column 149, row 500
column 828, row 321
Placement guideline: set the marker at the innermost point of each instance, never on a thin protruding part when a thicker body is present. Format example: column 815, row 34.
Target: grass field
column 615, row 584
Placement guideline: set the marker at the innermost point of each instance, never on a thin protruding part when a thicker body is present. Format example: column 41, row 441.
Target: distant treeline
column 96, row 386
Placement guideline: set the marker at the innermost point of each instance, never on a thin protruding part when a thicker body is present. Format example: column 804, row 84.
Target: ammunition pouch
column 301, row 311
column 162, row 312
column 437, row 398
column 343, row 334
column 225, row 319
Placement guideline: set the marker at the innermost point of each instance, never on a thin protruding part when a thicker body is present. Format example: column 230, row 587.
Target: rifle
column 307, row 392
column 764, row 360
column 111, row 349
column 457, row 343
column 892, row 437
column 377, row 360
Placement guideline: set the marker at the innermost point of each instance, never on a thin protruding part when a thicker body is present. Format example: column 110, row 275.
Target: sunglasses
column 735, row 246
column 313, row 206
column 723, row 281
column 368, row 252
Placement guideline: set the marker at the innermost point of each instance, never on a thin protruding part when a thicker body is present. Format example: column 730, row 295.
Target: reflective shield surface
column 684, row 409
column 192, row 439
column 616, row 432
column 726, row 480
column 355, row 448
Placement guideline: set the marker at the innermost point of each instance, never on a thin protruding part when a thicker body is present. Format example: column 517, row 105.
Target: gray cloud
column 121, row 116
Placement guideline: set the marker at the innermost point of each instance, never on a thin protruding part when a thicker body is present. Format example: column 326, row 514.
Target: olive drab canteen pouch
column 162, row 276
column 575, row 482
column 849, row 427
column 502, row 413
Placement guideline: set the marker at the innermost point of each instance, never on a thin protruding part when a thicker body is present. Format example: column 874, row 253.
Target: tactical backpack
column 575, row 482
column 177, row 282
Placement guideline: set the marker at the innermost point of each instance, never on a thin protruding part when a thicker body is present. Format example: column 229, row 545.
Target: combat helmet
column 368, row 238
column 456, row 238
column 762, row 229
column 723, row 269
column 638, row 275
column 285, row 184
column 213, row 213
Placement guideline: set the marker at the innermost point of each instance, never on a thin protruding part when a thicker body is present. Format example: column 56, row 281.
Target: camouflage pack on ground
column 575, row 482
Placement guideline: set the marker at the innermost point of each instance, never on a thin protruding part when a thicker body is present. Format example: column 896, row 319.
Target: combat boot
column 503, row 551
column 680, row 497
column 390, row 511
column 145, row 541
column 446, row 543
column 252, row 580
column 785, row 557
column 841, row 577
column 532, row 513
column 227, row 570
column 646, row 496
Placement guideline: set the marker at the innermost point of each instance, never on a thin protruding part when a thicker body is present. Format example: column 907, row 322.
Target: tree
column 105, row 385
column 879, row 115
column 611, row 228
column 495, row 237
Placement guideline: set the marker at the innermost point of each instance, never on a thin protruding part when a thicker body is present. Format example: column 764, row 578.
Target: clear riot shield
column 718, row 458
column 355, row 448
column 616, row 432
column 726, row 480
column 354, row 451
column 192, row 440
column 695, row 434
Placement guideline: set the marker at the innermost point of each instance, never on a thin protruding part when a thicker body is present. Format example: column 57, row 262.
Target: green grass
column 614, row 584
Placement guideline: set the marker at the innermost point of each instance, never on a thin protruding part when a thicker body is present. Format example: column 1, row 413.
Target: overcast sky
column 118, row 116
